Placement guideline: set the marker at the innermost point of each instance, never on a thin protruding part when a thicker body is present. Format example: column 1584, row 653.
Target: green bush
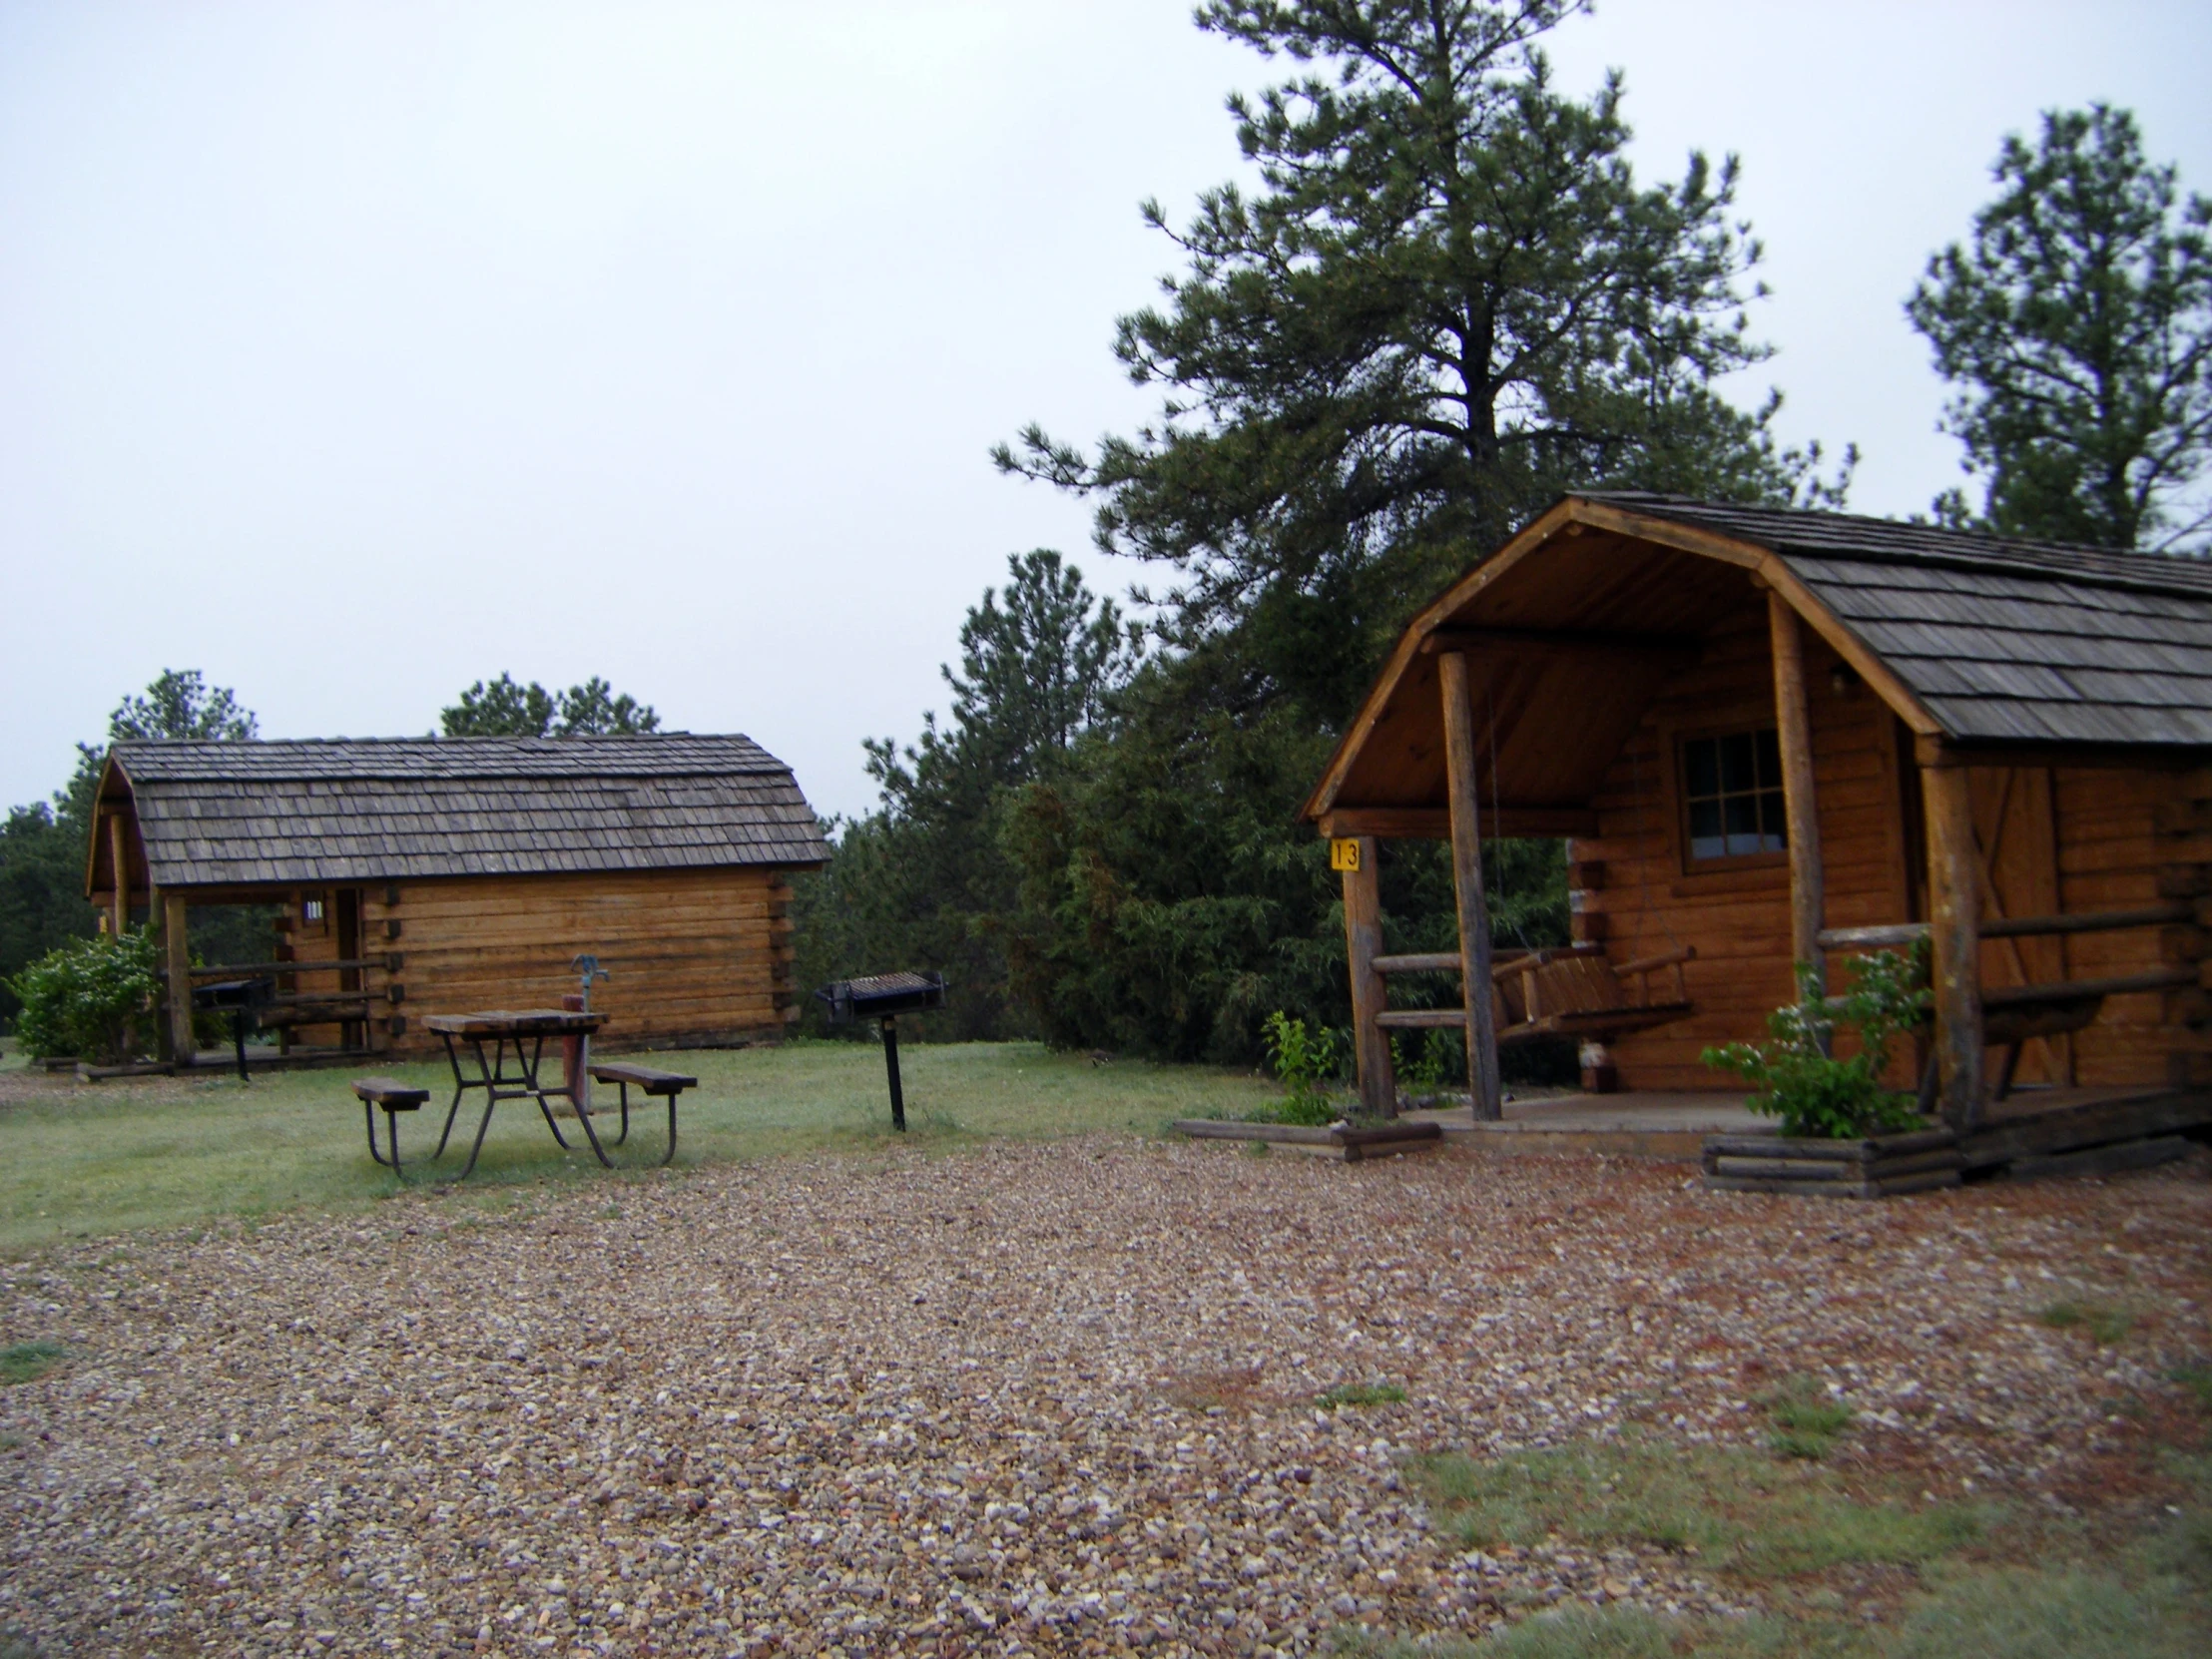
column 1814, row 1094
column 94, row 998
column 1306, row 1063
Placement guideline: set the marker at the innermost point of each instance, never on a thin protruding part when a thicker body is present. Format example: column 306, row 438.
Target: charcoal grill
column 243, row 1001
column 883, row 998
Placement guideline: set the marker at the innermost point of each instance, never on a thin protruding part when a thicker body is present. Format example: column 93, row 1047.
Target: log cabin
column 434, row 876
column 1773, row 737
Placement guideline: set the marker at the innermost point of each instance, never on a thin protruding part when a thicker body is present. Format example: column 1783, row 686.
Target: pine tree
column 922, row 882
column 2076, row 329
column 503, row 709
column 1448, row 301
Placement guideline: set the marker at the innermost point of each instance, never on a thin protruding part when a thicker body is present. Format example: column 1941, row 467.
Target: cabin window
column 1732, row 796
column 312, row 914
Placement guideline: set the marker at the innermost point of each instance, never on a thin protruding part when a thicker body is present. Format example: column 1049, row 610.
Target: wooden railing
column 1891, row 934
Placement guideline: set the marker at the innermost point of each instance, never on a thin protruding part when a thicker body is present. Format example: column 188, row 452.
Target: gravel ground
column 1053, row 1398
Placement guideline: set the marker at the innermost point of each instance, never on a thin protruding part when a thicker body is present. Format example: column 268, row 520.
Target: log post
column 177, row 949
column 119, row 855
column 1794, row 727
column 1363, row 943
column 1466, row 882
column 1955, row 935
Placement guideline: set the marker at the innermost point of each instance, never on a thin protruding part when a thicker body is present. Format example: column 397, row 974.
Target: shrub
column 93, row 998
column 1306, row 1063
column 1814, row 1094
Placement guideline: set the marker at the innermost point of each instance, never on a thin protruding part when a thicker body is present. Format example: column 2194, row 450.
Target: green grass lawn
column 81, row 1160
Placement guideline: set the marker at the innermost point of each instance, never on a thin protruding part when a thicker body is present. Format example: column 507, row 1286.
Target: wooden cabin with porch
column 442, row 875
column 1773, row 737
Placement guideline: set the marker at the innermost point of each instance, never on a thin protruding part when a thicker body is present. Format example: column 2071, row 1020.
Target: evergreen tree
column 181, row 705
column 43, row 846
column 2076, row 329
column 1448, row 301
column 503, row 708
column 922, row 882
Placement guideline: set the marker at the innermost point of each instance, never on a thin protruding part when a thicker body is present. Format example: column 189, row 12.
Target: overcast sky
column 352, row 352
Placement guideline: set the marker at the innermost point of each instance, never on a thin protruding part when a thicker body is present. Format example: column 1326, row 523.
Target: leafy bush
column 93, row 998
column 1428, row 1071
column 1814, row 1094
column 1306, row 1063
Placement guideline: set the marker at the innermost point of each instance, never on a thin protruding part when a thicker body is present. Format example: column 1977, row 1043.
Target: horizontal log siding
column 696, row 955
column 1739, row 919
column 2108, row 858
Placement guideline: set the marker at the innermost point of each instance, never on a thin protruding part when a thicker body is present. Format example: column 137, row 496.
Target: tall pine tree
column 1448, row 299
column 2076, row 327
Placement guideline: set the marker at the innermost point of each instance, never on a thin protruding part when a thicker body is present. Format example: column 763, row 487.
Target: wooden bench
column 650, row 1082
column 393, row 1097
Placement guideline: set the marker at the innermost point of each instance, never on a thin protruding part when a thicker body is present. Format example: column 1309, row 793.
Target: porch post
column 1363, row 943
column 1467, row 882
column 178, row 951
column 1794, row 726
column 119, row 855
column 1955, row 931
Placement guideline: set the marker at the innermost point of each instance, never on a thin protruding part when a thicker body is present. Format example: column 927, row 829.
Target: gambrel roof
column 1572, row 626
column 2002, row 640
column 377, row 810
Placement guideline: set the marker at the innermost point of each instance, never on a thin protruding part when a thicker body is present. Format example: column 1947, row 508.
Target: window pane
column 1704, row 830
column 1773, row 821
column 1741, row 814
column 1701, row 767
column 1737, row 767
column 1770, row 760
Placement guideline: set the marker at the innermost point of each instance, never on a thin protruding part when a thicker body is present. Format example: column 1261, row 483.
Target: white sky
column 352, row 352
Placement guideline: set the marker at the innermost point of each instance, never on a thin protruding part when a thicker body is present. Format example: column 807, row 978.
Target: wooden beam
column 119, row 855
column 1955, row 892
column 177, row 951
column 1362, row 946
column 1467, row 882
column 1433, row 824
column 1891, row 936
column 1527, row 641
column 1793, row 723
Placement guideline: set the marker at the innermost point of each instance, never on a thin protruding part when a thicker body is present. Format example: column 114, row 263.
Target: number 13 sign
column 1344, row 854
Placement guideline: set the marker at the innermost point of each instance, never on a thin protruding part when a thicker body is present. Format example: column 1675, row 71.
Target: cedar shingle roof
column 2001, row 640
column 225, row 814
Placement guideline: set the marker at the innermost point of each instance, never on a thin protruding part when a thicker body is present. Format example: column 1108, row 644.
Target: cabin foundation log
column 1954, row 891
column 1794, row 727
column 1363, row 952
column 1467, row 882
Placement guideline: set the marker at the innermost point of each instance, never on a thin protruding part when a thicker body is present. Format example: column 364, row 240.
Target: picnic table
column 524, row 1031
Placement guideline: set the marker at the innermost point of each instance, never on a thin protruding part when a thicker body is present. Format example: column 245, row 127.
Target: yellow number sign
column 1344, row 854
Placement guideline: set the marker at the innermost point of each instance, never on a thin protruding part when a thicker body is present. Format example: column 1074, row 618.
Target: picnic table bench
column 393, row 1097
column 650, row 1082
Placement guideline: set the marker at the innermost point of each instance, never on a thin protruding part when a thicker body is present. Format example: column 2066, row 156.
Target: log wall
column 2070, row 839
column 698, row 958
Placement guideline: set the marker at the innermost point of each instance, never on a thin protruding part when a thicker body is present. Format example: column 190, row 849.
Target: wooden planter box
column 1915, row 1161
column 1382, row 1140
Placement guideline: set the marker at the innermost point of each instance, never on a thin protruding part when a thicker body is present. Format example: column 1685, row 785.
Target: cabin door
column 2015, row 830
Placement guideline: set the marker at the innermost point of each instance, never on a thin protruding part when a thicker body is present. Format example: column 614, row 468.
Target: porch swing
column 1575, row 992
column 1564, row 992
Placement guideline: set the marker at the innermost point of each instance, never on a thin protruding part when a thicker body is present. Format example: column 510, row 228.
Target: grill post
column 891, row 1064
